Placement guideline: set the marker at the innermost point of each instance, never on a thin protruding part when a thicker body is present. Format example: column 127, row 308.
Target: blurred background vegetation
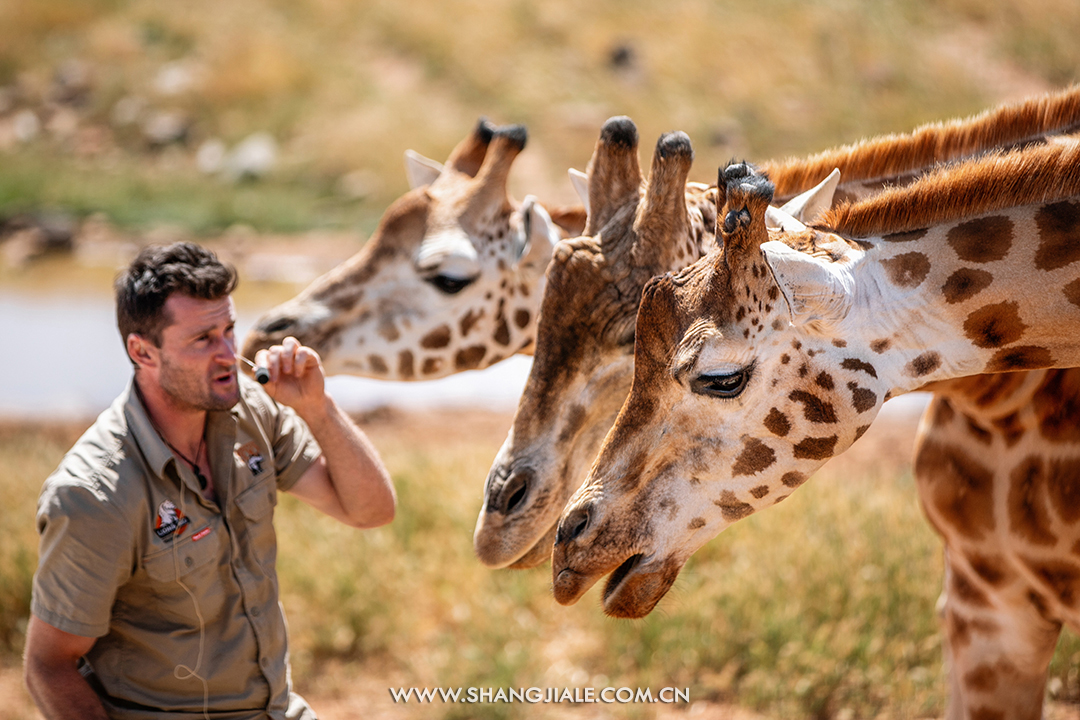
column 248, row 120
column 288, row 116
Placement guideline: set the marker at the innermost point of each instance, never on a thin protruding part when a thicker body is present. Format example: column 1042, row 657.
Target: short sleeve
column 295, row 448
column 85, row 555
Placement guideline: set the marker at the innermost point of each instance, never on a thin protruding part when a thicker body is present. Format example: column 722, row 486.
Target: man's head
column 157, row 273
column 176, row 318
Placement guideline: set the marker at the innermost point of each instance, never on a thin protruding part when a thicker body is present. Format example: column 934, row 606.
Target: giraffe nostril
column 573, row 525
column 515, row 490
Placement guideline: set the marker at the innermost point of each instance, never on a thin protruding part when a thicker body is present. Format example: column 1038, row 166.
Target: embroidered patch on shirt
column 170, row 521
column 201, row 534
column 249, row 453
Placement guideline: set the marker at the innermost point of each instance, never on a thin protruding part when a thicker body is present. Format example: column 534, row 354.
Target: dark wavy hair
column 158, row 272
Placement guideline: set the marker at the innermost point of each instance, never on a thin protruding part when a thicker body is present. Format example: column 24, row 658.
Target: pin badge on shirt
column 249, row 453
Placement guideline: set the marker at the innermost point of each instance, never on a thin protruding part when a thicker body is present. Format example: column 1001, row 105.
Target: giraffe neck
column 992, row 294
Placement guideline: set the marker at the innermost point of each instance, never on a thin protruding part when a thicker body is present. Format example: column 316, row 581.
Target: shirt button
column 264, row 663
column 256, row 611
column 188, row 561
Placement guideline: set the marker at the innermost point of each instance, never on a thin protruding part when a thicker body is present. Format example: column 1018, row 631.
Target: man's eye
column 450, row 285
column 724, row 386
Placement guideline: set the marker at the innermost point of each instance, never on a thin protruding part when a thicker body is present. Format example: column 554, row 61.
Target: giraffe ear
column 538, row 235
column 421, row 170
column 580, row 181
column 808, row 206
column 817, row 290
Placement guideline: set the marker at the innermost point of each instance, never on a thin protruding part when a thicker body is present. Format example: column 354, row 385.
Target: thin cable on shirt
column 182, row 671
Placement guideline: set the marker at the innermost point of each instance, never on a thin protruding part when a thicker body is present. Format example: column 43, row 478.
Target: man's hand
column 348, row 482
column 296, row 378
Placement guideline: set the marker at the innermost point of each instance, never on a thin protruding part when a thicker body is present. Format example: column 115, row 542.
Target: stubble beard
column 189, row 392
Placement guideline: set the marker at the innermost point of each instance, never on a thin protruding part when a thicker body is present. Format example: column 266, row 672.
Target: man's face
column 198, row 353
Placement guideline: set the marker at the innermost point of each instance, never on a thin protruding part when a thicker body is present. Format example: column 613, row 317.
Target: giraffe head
column 449, row 281
column 740, row 391
column 584, row 361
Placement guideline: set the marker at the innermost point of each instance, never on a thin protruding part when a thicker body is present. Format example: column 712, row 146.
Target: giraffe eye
column 728, row 385
column 450, row 285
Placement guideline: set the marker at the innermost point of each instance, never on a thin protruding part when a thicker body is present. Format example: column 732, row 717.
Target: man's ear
column 139, row 350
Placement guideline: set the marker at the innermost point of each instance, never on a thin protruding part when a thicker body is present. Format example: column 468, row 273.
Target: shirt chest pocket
column 193, row 564
column 256, row 506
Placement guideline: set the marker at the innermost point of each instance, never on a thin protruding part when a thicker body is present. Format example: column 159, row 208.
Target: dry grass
column 821, row 607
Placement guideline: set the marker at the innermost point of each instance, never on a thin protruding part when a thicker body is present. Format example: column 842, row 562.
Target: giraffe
column 385, row 315
column 583, row 362
column 446, row 282
column 759, row 362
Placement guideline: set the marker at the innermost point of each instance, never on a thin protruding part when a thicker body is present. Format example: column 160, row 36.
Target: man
column 156, row 594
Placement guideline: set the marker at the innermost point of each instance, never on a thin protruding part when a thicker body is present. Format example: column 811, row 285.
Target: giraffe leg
column 999, row 648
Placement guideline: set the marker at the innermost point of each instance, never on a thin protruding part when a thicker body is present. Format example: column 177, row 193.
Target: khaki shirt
column 169, row 583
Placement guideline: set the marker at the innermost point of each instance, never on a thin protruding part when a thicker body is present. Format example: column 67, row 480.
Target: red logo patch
column 170, row 521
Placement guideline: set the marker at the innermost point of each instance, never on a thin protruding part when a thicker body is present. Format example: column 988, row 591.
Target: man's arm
column 50, row 666
column 349, row 481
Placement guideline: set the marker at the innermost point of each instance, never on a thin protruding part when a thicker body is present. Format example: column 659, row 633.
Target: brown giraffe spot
column 857, row 364
column 995, row 325
column 907, row 270
column 521, row 318
column 812, row 448
column 760, row 491
column 793, row 480
column 437, row 338
column 1010, row 428
column 880, row 346
column 815, row 409
column 958, row 630
column 469, row 358
column 377, row 364
column 803, row 370
column 502, row 332
column 696, row 524
column 431, row 365
column 740, row 314
column 1057, row 406
column 785, row 359
column 924, row 364
column 731, row 507
column 966, row 591
column 837, row 342
column 1059, row 234
column 755, row 457
column 982, row 679
column 862, row 399
column 990, row 569
column 860, row 431
column 978, row 432
column 903, row 236
column 388, row 331
column 965, row 284
column 1063, row 487
column 982, row 240
column 1041, row 605
column 1021, row 357
column 825, row 380
column 774, row 293
column 778, row 423
column 1062, row 577
column 1072, row 292
column 1028, row 514
column 470, row 319
column 405, row 364
column 961, row 488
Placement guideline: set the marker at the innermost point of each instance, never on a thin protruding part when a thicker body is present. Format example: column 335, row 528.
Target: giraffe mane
column 890, row 156
column 994, row 182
